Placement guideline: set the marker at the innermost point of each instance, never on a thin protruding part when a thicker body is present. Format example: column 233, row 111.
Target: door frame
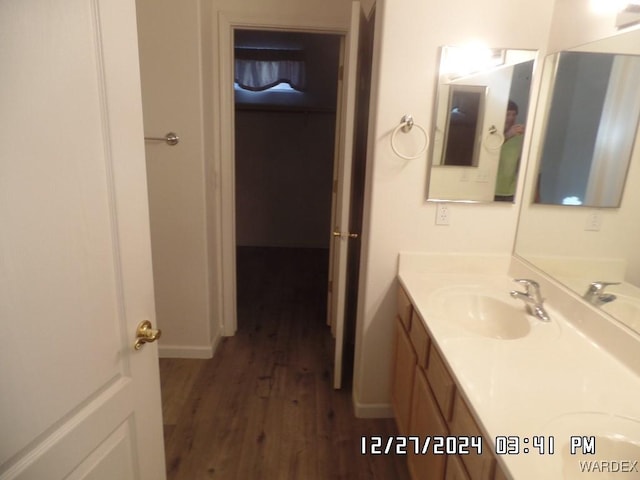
column 225, row 191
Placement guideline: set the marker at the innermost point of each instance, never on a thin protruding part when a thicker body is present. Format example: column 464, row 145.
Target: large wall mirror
column 590, row 127
column 480, row 107
column 580, row 246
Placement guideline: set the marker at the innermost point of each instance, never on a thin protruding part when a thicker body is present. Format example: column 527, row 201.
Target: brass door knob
column 146, row 334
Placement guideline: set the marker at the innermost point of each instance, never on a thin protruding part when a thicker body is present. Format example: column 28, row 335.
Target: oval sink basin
column 483, row 314
column 596, row 446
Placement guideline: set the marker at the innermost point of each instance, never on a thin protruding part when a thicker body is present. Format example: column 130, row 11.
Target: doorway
column 227, row 205
column 284, row 144
column 284, row 163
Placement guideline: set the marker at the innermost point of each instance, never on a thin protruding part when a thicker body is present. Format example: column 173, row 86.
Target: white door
column 77, row 401
column 342, row 194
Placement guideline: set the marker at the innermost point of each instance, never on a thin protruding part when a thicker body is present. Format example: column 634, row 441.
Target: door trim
column 225, row 163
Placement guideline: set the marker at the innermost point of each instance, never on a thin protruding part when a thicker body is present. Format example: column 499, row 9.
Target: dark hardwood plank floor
column 264, row 406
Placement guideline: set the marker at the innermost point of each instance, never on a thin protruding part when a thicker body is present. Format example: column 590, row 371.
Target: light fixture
column 472, row 58
column 612, row 6
column 631, row 6
column 628, row 14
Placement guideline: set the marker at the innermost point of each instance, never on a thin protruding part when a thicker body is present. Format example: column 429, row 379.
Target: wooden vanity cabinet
column 426, row 421
column 405, row 309
column 411, row 347
column 426, row 403
column 441, row 383
column 419, row 340
column 480, row 467
column 455, row 469
column 404, row 368
column 500, row 475
column 404, row 364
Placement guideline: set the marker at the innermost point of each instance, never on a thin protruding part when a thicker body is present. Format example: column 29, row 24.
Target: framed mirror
column 582, row 246
column 479, row 111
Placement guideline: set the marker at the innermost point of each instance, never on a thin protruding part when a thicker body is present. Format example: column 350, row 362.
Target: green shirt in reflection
column 507, row 177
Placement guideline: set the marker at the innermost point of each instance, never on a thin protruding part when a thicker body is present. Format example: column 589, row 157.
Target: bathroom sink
column 482, row 313
column 595, row 446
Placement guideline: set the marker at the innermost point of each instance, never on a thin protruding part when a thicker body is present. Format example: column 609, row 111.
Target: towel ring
column 406, row 125
column 489, row 141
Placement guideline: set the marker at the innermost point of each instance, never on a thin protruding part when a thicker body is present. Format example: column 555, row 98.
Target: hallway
column 263, row 407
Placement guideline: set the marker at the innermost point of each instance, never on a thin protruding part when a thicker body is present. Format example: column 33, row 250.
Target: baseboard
column 186, row 351
column 371, row 410
column 189, row 351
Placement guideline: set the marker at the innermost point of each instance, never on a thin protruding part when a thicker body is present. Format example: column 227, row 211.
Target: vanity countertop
column 553, row 382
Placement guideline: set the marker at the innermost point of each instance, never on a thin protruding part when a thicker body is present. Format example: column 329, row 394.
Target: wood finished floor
column 264, row 406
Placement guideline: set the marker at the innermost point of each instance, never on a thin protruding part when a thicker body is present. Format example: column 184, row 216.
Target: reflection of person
column 509, row 156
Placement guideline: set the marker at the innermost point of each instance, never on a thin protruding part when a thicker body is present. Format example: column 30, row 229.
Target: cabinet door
column 479, row 467
column 419, row 339
column 455, row 469
column 426, row 421
column 500, row 475
column 442, row 384
column 404, row 368
column 405, row 309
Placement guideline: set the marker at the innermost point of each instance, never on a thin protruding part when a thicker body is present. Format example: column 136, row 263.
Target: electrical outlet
column 442, row 214
column 482, row 176
column 594, row 222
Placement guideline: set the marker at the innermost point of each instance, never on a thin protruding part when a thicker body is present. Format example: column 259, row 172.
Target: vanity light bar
column 628, row 15
column 613, row 6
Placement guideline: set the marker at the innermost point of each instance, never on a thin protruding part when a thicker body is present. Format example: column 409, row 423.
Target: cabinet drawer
column 479, row 467
column 455, row 469
column 404, row 308
column 441, row 382
column 419, row 339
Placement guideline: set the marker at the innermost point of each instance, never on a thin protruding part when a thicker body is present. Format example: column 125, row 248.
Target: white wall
column 576, row 22
column 397, row 218
column 169, row 43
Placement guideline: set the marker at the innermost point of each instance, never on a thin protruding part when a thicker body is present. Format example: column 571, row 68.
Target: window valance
column 259, row 69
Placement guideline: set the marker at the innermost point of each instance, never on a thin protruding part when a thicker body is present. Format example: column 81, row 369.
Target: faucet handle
column 528, row 284
column 532, row 288
column 598, row 287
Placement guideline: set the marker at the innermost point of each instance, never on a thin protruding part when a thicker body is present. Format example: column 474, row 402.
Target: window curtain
column 259, row 69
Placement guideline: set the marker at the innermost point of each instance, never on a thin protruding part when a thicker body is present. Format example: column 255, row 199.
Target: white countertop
column 526, row 386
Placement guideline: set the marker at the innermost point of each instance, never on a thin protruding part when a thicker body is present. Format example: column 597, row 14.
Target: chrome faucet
column 532, row 298
column 595, row 293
